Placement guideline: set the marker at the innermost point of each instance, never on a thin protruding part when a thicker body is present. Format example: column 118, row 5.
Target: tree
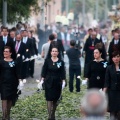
column 19, row 9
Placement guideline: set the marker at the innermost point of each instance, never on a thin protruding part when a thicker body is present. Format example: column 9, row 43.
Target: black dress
column 96, row 74
column 8, row 81
column 114, row 96
column 54, row 73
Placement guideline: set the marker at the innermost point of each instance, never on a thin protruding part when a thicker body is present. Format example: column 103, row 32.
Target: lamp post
column 96, row 12
column 4, row 19
column 83, row 11
column 106, row 9
column 67, row 6
column 42, row 21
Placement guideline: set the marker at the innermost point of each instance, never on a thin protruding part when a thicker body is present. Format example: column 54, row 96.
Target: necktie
column 16, row 47
column 4, row 39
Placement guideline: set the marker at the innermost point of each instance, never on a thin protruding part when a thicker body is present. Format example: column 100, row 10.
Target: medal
column 98, row 77
column 53, row 63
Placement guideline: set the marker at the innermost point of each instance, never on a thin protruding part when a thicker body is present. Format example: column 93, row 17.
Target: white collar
column 4, row 36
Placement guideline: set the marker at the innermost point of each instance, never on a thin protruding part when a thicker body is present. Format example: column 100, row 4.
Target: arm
column 63, row 72
column 44, row 69
column 42, row 53
column 107, row 80
column 88, row 71
column 35, row 47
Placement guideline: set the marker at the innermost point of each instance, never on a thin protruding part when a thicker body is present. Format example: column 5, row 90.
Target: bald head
column 94, row 34
column 94, row 103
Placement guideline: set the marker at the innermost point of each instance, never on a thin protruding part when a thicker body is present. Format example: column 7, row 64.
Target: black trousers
column 31, row 67
column 74, row 71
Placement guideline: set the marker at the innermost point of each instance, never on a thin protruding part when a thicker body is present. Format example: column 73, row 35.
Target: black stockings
column 51, row 105
column 115, row 115
column 6, row 106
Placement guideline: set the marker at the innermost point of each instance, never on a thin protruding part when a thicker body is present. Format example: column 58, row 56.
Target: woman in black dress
column 53, row 74
column 8, row 83
column 112, row 86
column 96, row 70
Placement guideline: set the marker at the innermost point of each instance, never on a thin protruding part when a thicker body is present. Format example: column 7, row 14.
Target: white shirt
column 116, row 42
column 25, row 39
column 62, row 36
column 68, row 37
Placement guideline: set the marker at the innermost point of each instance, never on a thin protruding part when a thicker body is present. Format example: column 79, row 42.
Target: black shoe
column 38, row 90
column 32, row 76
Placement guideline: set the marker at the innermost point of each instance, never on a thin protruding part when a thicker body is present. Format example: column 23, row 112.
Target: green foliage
column 19, row 9
column 35, row 106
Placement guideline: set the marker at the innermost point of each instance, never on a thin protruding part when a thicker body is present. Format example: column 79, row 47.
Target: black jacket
column 9, row 43
column 29, row 48
column 111, row 81
column 113, row 47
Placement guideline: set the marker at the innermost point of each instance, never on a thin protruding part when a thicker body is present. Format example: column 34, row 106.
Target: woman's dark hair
column 53, row 44
column 7, row 47
column 72, row 42
column 115, row 53
column 99, row 49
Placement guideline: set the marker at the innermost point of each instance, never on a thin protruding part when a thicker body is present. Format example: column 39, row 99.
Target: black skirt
column 53, row 87
column 113, row 100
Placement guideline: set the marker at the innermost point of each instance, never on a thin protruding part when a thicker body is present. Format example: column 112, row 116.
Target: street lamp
column 4, row 20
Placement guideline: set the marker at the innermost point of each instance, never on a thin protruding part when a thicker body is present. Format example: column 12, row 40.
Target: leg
column 32, row 68
column 118, row 115
column 49, row 107
column 112, row 115
column 4, row 109
column 53, row 110
column 71, row 75
column 9, row 105
column 78, row 73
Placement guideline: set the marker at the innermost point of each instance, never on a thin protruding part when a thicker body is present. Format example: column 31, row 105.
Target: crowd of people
column 101, row 69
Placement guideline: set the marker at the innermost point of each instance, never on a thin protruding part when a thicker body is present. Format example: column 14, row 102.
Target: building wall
column 48, row 12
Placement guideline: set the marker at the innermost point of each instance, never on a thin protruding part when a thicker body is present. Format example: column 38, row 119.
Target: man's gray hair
column 94, row 102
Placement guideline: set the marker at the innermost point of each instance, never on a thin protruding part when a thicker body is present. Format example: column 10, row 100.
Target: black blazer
column 113, row 47
column 22, row 50
column 111, row 81
column 29, row 48
column 35, row 50
column 9, row 43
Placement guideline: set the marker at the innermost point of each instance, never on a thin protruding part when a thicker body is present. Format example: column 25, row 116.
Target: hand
column 63, row 84
column 40, row 84
column 84, row 82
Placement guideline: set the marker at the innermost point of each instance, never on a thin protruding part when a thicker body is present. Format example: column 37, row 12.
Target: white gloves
column 84, row 82
column 63, row 84
column 21, row 84
column 40, row 84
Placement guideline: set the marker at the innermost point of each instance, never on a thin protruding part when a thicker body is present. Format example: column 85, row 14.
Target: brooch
column 59, row 64
column 11, row 64
column 104, row 64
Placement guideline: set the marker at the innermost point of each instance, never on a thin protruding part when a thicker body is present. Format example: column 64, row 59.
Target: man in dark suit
column 34, row 52
column 61, row 36
column 12, row 35
column 114, row 46
column 89, row 48
column 5, row 40
column 29, row 49
column 59, row 44
column 21, row 54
